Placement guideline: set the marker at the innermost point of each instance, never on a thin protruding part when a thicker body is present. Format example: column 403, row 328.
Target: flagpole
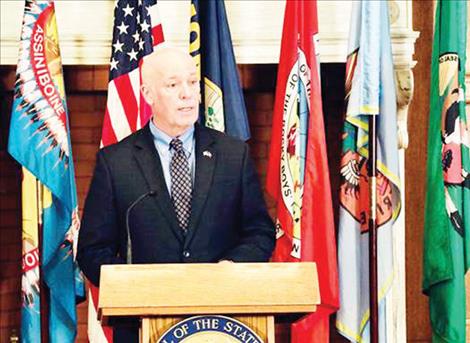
column 43, row 294
column 373, row 294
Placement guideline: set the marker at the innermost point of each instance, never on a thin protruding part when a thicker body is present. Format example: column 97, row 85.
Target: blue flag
column 370, row 91
column 40, row 141
column 211, row 47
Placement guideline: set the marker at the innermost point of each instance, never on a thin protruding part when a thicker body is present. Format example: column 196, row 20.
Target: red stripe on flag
column 107, row 330
column 157, row 34
column 128, row 100
column 108, row 136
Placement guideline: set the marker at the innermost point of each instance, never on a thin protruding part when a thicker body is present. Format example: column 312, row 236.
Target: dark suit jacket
column 228, row 217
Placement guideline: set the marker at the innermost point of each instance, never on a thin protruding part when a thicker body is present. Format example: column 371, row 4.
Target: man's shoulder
column 224, row 140
column 124, row 146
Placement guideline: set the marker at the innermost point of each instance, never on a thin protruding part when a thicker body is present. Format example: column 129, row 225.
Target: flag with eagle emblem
column 370, row 91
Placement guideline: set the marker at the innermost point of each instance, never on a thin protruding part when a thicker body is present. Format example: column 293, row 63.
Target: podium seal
column 210, row 329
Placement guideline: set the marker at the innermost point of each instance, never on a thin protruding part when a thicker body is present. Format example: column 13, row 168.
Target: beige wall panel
column 85, row 29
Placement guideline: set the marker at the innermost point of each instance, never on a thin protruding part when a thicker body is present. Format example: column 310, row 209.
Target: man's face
column 173, row 93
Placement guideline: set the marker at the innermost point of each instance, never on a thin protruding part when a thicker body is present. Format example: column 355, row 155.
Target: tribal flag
column 137, row 30
column 370, row 91
column 447, row 215
column 298, row 176
column 40, row 141
column 211, row 47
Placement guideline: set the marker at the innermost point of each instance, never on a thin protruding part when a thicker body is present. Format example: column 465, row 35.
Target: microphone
column 150, row 193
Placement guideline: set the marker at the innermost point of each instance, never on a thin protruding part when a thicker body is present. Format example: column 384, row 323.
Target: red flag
column 137, row 30
column 298, row 176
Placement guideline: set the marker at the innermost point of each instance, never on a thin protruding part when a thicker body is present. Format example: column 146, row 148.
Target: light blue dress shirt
column 162, row 144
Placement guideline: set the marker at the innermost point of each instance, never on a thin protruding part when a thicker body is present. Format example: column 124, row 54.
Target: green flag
column 447, row 217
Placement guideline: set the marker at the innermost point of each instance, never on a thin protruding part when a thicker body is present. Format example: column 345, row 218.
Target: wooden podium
column 161, row 295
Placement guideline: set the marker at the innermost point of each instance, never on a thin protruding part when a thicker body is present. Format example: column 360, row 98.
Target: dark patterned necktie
column 180, row 183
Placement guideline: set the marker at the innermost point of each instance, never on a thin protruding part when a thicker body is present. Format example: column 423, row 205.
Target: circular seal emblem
column 210, row 329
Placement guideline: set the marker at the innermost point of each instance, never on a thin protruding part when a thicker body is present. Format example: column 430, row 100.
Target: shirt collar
column 163, row 139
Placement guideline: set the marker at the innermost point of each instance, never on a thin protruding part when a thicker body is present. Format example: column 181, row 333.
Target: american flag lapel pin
column 207, row 153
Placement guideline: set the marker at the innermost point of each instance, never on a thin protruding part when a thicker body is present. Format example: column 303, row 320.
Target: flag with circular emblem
column 298, row 175
column 447, row 214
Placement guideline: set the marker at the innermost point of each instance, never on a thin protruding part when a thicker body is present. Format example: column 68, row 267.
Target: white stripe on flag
column 134, row 78
column 117, row 116
column 154, row 16
column 95, row 331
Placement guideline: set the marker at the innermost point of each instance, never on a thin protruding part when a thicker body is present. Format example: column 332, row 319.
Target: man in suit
column 174, row 191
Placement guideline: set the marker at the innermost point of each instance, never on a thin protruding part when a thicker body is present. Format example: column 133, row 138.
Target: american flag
column 137, row 30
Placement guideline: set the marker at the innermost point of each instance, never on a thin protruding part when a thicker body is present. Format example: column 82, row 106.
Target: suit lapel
column 151, row 167
column 205, row 164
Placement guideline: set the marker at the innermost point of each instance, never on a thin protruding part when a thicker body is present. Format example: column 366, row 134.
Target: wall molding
column 256, row 28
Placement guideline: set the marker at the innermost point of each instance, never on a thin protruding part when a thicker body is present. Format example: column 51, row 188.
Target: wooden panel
column 418, row 328
column 145, row 330
column 158, row 326
column 271, row 329
column 259, row 324
column 155, row 310
column 211, row 288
